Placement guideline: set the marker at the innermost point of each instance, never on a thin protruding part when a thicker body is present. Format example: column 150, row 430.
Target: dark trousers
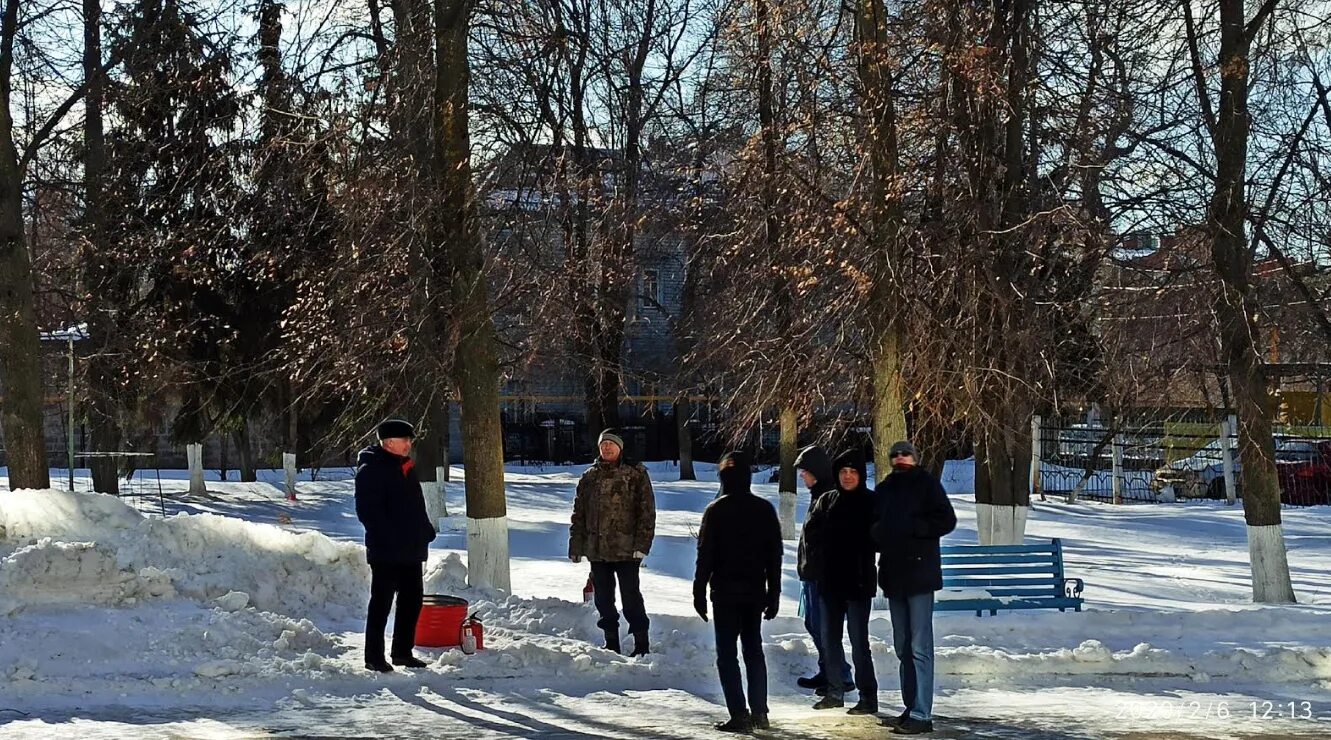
column 604, row 576
column 854, row 614
column 813, row 622
column 742, row 622
column 387, row 580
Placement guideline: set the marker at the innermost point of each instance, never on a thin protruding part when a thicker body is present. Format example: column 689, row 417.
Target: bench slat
column 955, row 582
column 1000, row 570
column 1049, row 548
column 967, row 558
column 984, row 605
column 999, row 593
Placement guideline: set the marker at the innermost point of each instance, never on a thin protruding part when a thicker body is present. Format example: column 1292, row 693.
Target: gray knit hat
column 610, row 435
column 903, row 446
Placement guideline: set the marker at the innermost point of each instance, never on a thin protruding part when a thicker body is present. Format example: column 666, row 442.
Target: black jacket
column 390, row 505
column 819, row 465
column 837, row 537
column 913, row 513
column 739, row 545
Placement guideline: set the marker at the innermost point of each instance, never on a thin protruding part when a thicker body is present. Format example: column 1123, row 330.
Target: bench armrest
column 1072, row 587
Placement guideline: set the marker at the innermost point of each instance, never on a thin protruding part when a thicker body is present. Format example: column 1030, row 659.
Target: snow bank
column 60, row 547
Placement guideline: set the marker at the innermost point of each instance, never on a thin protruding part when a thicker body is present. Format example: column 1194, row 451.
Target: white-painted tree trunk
column 786, row 513
column 1270, row 565
column 441, row 475
column 1001, row 525
column 1037, row 439
column 487, row 553
column 289, row 467
column 194, row 456
column 1229, row 428
column 435, row 507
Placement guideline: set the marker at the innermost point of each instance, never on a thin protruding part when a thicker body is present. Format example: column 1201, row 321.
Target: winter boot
column 846, row 689
column 378, row 664
column 612, row 641
column 410, row 661
column 639, row 644
column 829, row 703
column 914, row 727
column 894, row 721
column 897, row 720
column 735, row 724
column 864, row 706
column 816, row 681
column 760, row 722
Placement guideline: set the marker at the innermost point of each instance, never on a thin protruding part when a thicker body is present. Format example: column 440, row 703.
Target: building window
column 649, row 291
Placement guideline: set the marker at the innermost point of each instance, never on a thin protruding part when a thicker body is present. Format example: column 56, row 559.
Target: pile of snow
column 59, row 547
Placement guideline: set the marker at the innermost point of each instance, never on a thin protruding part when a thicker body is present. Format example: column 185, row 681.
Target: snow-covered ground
column 239, row 614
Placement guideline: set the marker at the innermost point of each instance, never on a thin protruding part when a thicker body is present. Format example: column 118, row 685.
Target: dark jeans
column 913, row 635
column 742, row 622
column 854, row 614
column 387, row 580
column 813, row 622
column 604, row 576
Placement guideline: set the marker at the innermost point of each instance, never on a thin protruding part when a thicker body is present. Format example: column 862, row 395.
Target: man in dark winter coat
column 397, row 539
column 913, row 513
column 837, row 535
column 614, row 523
column 816, row 470
column 739, row 556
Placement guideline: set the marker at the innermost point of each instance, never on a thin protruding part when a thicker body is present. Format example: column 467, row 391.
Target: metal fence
column 1166, row 461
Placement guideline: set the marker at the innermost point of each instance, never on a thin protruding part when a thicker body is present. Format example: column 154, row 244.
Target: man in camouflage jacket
column 614, row 521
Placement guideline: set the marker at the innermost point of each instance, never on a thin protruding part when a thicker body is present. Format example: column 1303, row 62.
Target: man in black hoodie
column 816, row 470
column 913, row 513
column 397, row 538
column 739, row 556
column 837, row 534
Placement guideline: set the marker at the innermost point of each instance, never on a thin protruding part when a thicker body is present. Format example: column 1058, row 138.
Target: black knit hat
column 396, row 429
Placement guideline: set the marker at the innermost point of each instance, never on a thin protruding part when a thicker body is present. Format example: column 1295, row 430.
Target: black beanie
column 738, row 478
column 396, row 429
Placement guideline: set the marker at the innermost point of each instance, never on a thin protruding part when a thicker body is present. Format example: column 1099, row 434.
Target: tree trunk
column 878, row 108
column 20, row 343
column 476, row 366
column 684, row 410
column 787, row 490
column 889, row 416
column 1235, row 308
column 1002, row 486
column 245, row 454
column 103, row 393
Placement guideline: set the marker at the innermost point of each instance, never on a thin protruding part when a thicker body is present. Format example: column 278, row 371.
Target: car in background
column 1201, row 474
column 1303, row 467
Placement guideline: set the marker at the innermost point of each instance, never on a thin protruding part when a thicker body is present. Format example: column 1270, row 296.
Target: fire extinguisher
column 589, row 590
column 471, row 638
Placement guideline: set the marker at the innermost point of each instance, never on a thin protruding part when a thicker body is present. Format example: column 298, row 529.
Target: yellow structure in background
column 1302, row 407
column 1183, row 439
column 1299, row 415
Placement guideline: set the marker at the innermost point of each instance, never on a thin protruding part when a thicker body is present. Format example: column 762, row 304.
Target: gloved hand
column 700, row 606
column 639, row 555
column 575, row 558
column 770, row 612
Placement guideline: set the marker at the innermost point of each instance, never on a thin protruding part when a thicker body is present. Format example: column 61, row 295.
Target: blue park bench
column 982, row 578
